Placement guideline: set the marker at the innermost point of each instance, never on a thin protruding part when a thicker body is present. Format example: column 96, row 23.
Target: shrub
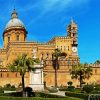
column 70, row 88
column 7, row 86
column 13, row 86
column 88, row 88
column 28, row 90
column 70, row 83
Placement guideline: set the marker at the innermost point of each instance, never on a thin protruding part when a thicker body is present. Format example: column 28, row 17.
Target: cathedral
column 15, row 43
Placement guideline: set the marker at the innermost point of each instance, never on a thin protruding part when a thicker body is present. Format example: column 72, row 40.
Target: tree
column 55, row 61
column 22, row 64
column 81, row 72
column 97, row 62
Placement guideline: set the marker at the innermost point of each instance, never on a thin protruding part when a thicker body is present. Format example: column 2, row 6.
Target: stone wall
column 12, row 78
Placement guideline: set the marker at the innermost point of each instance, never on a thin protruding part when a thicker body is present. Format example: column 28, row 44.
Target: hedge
column 69, row 88
column 33, row 94
column 37, row 98
column 77, row 95
column 15, row 94
column 45, row 95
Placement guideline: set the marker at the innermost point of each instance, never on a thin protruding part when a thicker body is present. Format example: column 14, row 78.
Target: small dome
column 14, row 22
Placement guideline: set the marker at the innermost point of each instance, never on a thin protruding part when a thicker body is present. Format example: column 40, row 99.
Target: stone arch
column 47, row 55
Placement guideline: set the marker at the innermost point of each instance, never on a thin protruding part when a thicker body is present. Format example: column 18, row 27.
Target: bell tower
column 72, row 30
column 14, row 30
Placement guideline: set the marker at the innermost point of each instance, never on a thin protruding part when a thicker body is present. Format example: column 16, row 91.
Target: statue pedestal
column 36, row 78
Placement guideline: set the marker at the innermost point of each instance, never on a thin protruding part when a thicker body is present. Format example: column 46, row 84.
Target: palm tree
column 55, row 62
column 81, row 72
column 22, row 64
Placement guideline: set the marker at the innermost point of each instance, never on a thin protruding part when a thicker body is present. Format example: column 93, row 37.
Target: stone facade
column 12, row 78
column 15, row 44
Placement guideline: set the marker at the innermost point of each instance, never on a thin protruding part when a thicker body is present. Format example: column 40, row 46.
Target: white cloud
column 29, row 7
column 60, row 4
column 57, row 6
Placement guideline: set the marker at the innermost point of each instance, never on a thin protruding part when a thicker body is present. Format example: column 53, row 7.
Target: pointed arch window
column 8, row 38
column 17, row 37
column 47, row 55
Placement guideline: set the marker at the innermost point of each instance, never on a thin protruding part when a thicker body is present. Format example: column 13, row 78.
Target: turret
column 73, row 34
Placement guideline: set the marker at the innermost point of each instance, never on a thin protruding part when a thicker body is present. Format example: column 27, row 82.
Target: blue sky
column 45, row 19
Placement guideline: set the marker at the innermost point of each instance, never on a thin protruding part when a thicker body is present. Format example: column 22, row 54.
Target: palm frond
column 22, row 64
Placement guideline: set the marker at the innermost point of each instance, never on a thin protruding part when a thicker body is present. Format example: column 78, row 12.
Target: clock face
column 74, row 49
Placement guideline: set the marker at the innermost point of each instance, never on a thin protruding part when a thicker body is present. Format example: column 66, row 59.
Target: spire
column 14, row 14
column 72, row 21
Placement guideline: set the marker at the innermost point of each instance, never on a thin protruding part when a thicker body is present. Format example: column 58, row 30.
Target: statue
column 34, row 53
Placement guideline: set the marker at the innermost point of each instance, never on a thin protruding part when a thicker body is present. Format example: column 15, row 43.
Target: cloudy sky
column 45, row 19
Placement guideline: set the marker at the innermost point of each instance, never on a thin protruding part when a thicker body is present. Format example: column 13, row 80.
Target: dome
column 14, row 22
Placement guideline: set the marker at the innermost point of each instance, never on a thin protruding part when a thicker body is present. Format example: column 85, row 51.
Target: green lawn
column 37, row 98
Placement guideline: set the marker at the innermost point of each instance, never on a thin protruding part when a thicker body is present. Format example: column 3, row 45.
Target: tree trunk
column 81, row 82
column 56, row 61
column 55, row 77
column 55, row 65
column 23, row 86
